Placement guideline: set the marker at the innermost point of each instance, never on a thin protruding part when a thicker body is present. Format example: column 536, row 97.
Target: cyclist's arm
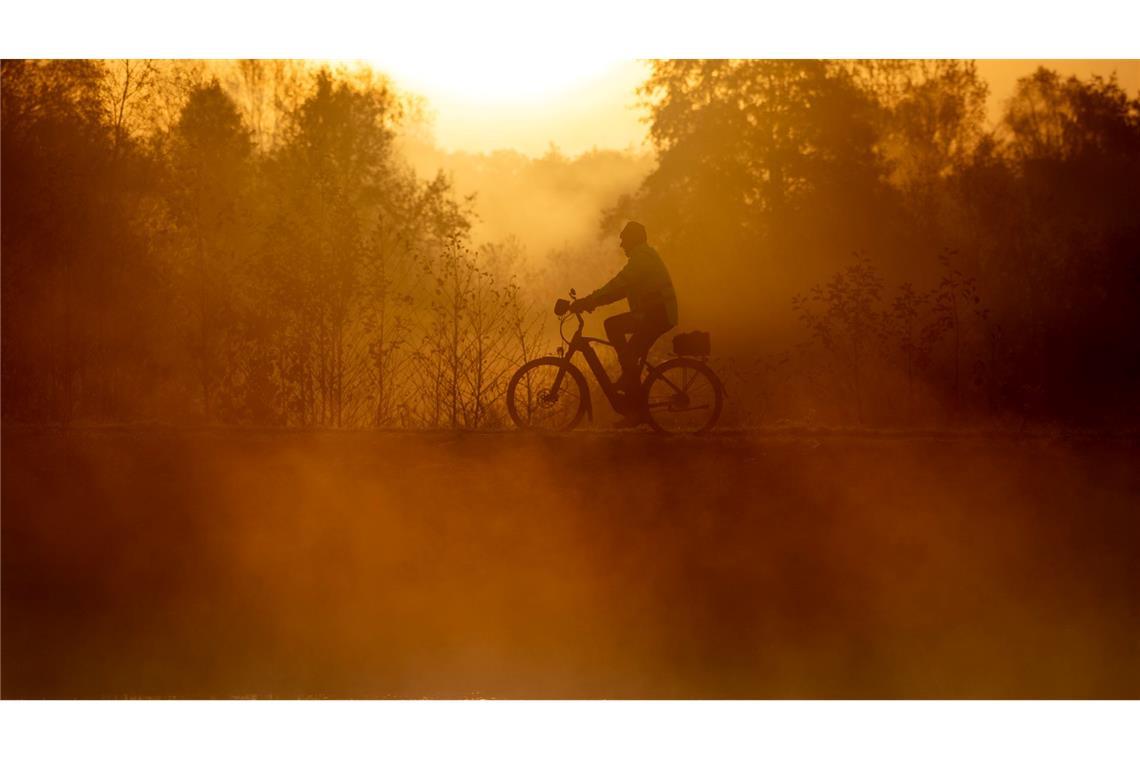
column 614, row 290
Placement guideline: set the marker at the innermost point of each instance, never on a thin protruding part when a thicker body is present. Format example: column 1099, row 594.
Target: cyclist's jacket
column 645, row 281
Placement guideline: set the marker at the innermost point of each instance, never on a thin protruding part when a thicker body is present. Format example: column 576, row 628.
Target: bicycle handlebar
column 562, row 311
column 562, row 308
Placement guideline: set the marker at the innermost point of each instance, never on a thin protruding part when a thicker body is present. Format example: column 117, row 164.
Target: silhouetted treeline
column 247, row 243
column 996, row 270
column 179, row 250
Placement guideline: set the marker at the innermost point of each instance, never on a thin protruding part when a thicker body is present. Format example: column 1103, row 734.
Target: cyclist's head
column 632, row 235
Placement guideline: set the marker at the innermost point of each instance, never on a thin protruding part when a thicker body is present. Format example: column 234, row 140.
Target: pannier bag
column 692, row 344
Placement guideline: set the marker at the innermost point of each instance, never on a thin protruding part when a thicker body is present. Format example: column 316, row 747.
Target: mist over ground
column 345, row 565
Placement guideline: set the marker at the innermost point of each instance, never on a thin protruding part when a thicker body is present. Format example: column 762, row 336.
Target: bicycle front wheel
column 547, row 394
column 682, row 396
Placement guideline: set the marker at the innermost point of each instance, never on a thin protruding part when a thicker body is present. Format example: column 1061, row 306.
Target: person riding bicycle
column 645, row 282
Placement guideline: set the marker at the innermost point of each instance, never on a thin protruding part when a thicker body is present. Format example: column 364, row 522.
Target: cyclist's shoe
column 628, row 382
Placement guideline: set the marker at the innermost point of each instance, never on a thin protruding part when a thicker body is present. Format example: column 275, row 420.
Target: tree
column 931, row 127
column 59, row 222
column 334, row 166
column 845, row 318
column 953, row 299
column 127, row 86
column 904, row 326
column 767, row 170
column 210, row 154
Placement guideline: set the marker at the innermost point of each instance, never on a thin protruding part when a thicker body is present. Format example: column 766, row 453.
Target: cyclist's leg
column 651, row 327
column 617, row 328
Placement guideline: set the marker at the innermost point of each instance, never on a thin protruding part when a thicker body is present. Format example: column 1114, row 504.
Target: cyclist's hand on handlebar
column 580, row 305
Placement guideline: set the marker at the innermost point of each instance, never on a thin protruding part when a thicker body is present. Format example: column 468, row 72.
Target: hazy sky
column 581, row 103
column 576, row 105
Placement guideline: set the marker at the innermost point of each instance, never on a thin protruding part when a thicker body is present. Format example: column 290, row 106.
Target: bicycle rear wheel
column 682, row 396
column 547, row 394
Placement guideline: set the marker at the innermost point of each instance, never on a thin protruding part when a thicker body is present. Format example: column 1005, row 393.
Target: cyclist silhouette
column 645, row 282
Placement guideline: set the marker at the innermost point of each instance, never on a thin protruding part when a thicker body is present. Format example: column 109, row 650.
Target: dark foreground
column 222, row 564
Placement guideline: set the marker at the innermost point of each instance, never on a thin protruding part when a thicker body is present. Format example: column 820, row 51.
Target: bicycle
column 679, row 395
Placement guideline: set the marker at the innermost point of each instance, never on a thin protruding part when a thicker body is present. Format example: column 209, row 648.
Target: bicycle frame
column 580, row 343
